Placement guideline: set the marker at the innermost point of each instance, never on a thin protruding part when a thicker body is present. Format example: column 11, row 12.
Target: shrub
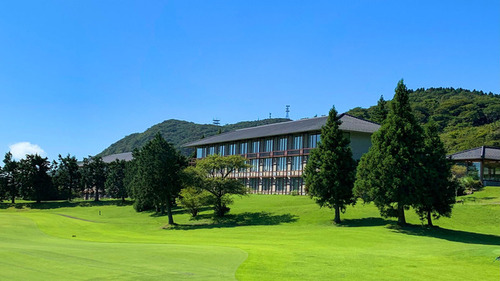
column 470, row 184
column 192, row 199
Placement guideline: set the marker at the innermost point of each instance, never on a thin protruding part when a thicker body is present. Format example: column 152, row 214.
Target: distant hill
column 467, row 119
column 178, row 133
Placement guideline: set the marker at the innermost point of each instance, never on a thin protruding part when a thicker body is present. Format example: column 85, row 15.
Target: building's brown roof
column 478, row 153
column 349, row 123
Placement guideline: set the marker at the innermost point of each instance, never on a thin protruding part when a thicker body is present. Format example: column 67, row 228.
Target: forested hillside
column 179, row 132
column 466, row 118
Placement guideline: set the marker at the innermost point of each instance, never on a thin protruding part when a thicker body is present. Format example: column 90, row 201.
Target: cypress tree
column 157, row 176
column 437, row 194
column 380, row 111
column 390, row 174
column 330, row 170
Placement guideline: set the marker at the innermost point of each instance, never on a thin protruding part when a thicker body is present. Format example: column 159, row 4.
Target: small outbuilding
column 485, row 159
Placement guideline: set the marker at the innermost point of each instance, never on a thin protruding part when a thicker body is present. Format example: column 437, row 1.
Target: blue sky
column 76, row 76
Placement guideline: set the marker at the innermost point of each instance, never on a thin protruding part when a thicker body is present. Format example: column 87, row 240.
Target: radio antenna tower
column 216, row 122
column 287, row 112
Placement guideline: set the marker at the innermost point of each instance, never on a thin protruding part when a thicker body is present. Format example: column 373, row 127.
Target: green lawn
column 266, row 237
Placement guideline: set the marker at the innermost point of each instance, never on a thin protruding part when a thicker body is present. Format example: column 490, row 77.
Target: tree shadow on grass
column 234, row 220
column 175, row 211
column 363, row 222
column 448, row 234
column 64, row 204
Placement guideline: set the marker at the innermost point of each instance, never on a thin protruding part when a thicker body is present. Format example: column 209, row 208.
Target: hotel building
column 278, row 153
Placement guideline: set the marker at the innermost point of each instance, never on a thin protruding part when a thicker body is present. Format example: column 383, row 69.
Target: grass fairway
column 266, row 237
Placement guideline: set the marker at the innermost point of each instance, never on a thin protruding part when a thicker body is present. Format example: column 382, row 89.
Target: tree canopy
column 465, row 119
column 115, row 179
column 67, row 175
column 94, row 175
column 212, row 174
column 36, row 183
column 437, row 194
column 390, row 173
column 157, row 178
column 330, row 170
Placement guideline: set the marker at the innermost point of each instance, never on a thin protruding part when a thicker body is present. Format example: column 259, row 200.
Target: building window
column 283, row 144
column 296, row 163
column 295, row 184
column 280, row 184
column 268, row 145
column 255, row 146
column 313, row 140
column 222, row 150
column 232, row 149
column 266, row 185
column 297, row 142
column 268, row 164
column 200, row 152
column 281, row 165
column 243, row 148
column 254, row 184
column 255, row 165
column 211, row 150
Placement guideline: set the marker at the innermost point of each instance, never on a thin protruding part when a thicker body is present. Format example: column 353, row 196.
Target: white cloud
column 20, row 149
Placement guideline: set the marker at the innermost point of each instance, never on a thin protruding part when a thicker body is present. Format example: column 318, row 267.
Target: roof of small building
column 127, row 156
column 478, row 153
column 349, row 123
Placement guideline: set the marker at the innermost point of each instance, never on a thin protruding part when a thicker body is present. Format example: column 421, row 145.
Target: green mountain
column 179, row 132
column 466, row 119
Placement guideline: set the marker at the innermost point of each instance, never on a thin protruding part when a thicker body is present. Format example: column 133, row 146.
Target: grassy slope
column 285, row 237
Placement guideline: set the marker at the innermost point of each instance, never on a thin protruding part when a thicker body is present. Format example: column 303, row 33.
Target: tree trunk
column 96, row 195
column 123, row 199
column 429, row 219
column 69, row 194
column 337, row 214
column 169, row 213
column 401, row 215
column 13, row 199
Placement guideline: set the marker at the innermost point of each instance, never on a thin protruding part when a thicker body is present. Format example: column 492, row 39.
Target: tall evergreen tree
column 94, row 175
column 437, row 194
column 390, row 174
column 330, row 170
column 115, row 181
column 380, row 111
column 36, row 183
column 67, row 176
column 10, row 176
column 157, row 177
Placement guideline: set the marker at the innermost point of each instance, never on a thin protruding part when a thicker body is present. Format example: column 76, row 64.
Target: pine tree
column 157, row 177
column 67, row 175
column 437, row 194
column 390, row 174
column 212, row 174
column 36, row 183
column 115, row 180
column 330, row 170
column 94, row 175
column 380, row 111
column 11, row 179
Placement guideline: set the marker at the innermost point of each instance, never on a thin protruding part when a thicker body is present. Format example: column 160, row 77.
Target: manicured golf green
column 266, row 237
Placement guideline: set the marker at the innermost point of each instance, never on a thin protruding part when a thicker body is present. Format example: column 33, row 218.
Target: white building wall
column 360, row 143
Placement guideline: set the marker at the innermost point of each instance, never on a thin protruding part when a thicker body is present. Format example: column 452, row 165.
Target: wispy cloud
column 20, row 149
